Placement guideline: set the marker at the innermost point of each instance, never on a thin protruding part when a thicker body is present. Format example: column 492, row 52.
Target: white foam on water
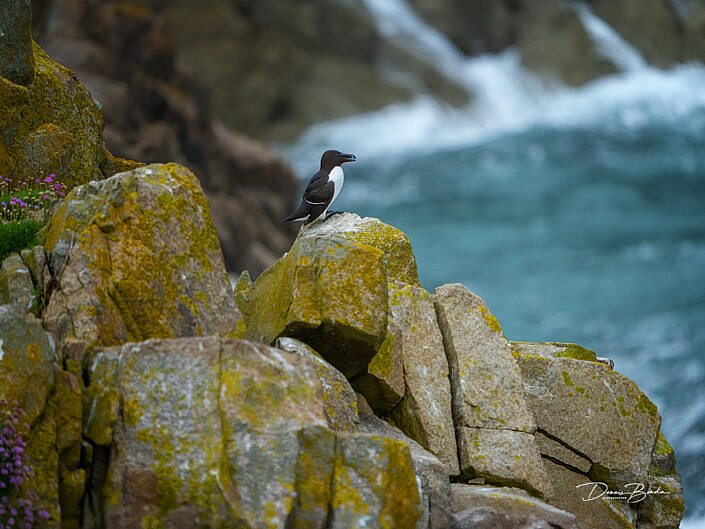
column 608, row 42
column 506, row 98
column 507, row 101
column 693, row 523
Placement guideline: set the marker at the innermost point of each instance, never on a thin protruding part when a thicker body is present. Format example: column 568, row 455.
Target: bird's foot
column 331, row 213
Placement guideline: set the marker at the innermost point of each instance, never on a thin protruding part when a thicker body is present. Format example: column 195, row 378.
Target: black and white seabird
column 323, row 188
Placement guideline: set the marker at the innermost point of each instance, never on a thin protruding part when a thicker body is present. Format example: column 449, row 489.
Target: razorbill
column 323, row 188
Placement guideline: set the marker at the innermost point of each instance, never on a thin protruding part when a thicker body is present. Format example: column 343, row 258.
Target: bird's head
column 332, row 159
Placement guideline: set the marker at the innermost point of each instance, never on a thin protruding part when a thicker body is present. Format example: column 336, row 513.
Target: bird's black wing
column 318, row 193
column 319, row 190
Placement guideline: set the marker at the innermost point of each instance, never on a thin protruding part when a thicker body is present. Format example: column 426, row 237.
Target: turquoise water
column 593, row 234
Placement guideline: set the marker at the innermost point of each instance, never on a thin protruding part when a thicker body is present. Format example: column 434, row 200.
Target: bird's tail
column 301, row 212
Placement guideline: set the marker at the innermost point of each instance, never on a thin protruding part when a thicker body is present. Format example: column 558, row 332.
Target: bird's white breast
column 336, row 176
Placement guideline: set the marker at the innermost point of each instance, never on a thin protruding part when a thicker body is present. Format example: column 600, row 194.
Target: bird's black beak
column 348, row 158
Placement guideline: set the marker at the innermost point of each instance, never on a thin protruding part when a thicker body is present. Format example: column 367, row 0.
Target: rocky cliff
column 156, row 110
column 139, row 390
column 334, row 391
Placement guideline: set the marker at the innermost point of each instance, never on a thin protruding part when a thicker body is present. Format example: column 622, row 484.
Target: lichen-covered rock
column 45, row 150
column 488, row 390
column 432, row 476
column 27, row 360
column 16, row 284
column 559, row 350
column 101, row 399
column 228, row 433
column 663, row 509
column 398, row 254
column 339, row 398
column 266, row 397
column 28, row 375
column 43, row 459
column 36, row 261
column 72, row 485
column 136, row 257
column 382, row 383
column 330, row 293
column 570, row 397
column 207, row 431
column 520, row 509
column 504, row 457
column 572, row 492
column 559, row 452
column 663, row 459
column 167, row 437
column 374, row 485
column 554, row 350
column 69, row 412
column 354, row 481
column 424, row 414
column 492, row 419
column 314, row 470
column 52, row 125
column 16, row 60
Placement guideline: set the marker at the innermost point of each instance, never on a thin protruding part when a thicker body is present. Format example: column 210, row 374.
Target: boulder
column 432, row 475
column 314, row 469
column 569, row 397
column 135, row 257
column 338, row 397
column 424, row 414
column 663, row 459
column 68, row 417
column 520, row 509
column 382, row 383
column 569, row 393
column 374, row 484
column 29, row 374
column 27, row 362
column 16, row 286
column 493, row 422
column 488, row 391
column 330, row 293
column 502, row 457
column 197, row 417
column 36, row 261
column 572, row 492
column 560, row 350
column 52, row 125
column 663, row 509
column 16, row 59
column 224, row 432
column 399, row 257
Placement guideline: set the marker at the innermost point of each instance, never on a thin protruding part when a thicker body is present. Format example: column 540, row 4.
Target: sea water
column 578, row 215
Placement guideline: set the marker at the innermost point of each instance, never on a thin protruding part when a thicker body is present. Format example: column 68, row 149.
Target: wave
column 506, row 99
column 509, row 100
